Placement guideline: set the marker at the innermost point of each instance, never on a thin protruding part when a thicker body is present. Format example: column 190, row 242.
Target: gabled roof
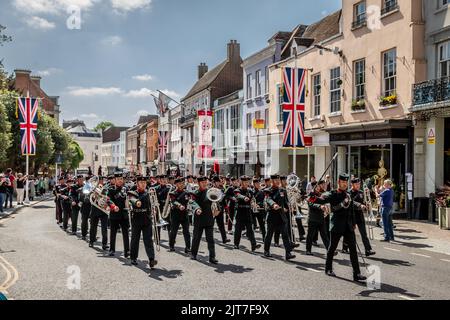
column 316, row 32
column 205, row 81
column 112, row 134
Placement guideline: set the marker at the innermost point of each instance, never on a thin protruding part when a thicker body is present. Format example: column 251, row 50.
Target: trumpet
column 215, row 195
column 369, row 209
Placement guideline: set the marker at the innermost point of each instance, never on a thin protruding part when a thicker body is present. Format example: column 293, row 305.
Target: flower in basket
column 358, row 104
column 388, row 100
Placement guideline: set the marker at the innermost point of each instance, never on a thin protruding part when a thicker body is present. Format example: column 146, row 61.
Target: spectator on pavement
column 10, row 188
column 3, row 189
column 387, row 202
column 20, row 188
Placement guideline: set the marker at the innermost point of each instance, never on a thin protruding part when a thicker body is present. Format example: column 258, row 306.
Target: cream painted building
column 362, row 62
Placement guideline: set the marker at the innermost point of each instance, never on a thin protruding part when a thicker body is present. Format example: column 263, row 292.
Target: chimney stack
column 202, row 70
column 234, row 51
column 36, row 80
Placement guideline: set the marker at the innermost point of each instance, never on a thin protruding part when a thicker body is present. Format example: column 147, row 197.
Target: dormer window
column 359, row 15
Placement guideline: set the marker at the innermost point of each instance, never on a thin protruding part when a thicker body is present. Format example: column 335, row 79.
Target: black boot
column 330, row 273
column 267, row 254
column 126, row 254
column 290, row 256
column 213, row 260
column 134, row 262
column 370, row 253
column 254, row 248
column 153, row 263
column 112, row 253
column 359, row 278
column 187, row 250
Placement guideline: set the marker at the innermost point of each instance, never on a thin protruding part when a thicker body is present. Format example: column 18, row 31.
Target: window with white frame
column 317, row 87
column 267, row 80
column 335, row 90
column 235, row 124
column 444, row 59
column 249, row 86
column 389, row 72
column 359, row 67
column 280, row 103
column 360, row 12
column 249, row 121
column 258, row 83
column 266, row 118
column 220, row 128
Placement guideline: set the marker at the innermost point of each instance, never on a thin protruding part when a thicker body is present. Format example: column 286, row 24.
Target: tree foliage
column 102, row 126
column 5, row 133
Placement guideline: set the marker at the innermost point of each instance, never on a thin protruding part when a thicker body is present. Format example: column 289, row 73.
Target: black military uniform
column 220, row 218
column 162, row 192
column 85, row 213
column 58, row 200
column 180, row 199
column 342, row 223
column 316, row 221
column 203, row 221
column 276, row 218
column 119, row 219
column 141, row 223
column 66, row 204
column 230, row 204
column 358, row 200
column 244, row 216
column 75, row 198
column 260, row 215
column 96, row 216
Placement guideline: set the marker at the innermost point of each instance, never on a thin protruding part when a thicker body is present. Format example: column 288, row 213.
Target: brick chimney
column 22, row 82
column 36, row 80
column 234, row 51
column 202, row 70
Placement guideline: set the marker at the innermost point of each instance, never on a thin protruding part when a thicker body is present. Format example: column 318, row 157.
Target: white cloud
column 112, row 40
column 48, row 72
column 93, row 91
column 53, row 7
column 89, row 116
column 141, row 93
column 130, row 5
column 143, row 77
column 141, row 113
column 40, row 23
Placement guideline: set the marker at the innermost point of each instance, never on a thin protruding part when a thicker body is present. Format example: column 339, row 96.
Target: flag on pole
column 294, row 90
column 205, row 134
column 163, row 138
column 28, row 119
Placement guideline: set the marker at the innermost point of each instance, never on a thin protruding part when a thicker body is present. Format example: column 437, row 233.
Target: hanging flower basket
column 388, row 101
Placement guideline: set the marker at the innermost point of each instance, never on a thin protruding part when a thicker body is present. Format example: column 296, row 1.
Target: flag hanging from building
column 162, row 103
column 294, row 90
column 205, row 134
column 163, row 138
column 28, row 120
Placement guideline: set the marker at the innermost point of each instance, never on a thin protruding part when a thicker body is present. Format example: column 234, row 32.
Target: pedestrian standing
column 20, row 188
column 3, row 186
column 387, row 201
column 10, row 188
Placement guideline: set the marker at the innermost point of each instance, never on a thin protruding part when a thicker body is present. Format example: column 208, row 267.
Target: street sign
column 59, row 159
column 431, row 136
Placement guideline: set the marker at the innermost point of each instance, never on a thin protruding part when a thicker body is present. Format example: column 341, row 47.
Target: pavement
column 40, row 261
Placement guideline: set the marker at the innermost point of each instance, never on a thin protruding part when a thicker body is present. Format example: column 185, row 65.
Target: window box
column 358, row 105
column 388, row 101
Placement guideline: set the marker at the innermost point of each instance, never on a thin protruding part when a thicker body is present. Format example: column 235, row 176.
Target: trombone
column 158, row 222
column 369, row 209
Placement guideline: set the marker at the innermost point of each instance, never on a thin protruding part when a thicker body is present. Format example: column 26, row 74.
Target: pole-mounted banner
column 28, row 109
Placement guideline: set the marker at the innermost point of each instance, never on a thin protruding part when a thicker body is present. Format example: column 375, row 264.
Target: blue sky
column 127, row 49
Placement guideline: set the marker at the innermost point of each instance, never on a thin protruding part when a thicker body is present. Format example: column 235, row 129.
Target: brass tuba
column 98, row 197
column 168, row 205
column 215, row 195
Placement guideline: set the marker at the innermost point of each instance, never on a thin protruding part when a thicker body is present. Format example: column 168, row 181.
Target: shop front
column 375, row 153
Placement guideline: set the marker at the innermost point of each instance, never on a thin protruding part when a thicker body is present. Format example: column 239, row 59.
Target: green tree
column 102, row 126
column 8, row 100
column 75, row 156
column 5, row 133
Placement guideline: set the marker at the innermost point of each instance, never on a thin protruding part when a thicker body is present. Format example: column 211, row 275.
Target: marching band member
column 220, row 218
column 276, row 200
column 358, row 209
column 342, row 224
column 85, row 212
column 96, row 216
column 260, row 216
column 180, row 216
column 66, row 203
column 119, row 216
column 243, row 217
column 316, row 219
column 288, row 214
column 141, row 222
column 75, row 191
column 163, row 191
column 231, row 201
column 203, row 220
column 58, row 201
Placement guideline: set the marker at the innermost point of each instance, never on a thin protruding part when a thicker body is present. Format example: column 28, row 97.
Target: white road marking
column 396, row 250
column 420, row 255
column 406, row 298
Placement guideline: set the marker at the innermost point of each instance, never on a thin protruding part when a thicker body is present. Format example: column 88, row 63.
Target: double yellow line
column 12, row 275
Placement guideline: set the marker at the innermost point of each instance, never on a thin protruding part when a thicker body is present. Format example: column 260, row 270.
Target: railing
column 431, row 91
column 359, row 22
column 389, row 6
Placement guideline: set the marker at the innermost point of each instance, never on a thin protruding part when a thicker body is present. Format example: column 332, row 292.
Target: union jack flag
column 294, row 108
column 163, row 138
column 28, row 118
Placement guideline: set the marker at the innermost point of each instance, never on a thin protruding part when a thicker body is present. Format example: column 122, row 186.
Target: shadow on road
column 222, row 268
column 392, row 262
